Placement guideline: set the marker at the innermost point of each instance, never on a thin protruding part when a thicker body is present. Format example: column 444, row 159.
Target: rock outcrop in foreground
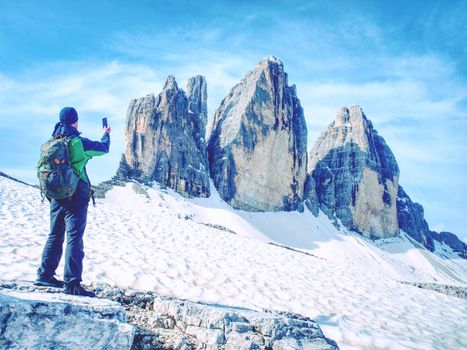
column 164, row 139
column 36, row 318
column 41, row 320
column 257, row 147
column 355, row 175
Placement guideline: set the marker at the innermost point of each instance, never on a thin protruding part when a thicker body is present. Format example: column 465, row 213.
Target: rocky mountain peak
column 257, row 148
column 164, row 139
column 352, row 115
column 352, row 126
column 170, row 83
column 355, row 175
column 269, row 61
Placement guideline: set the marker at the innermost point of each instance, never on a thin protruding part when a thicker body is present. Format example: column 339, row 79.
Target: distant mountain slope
column 203, row 250
column 2, row 174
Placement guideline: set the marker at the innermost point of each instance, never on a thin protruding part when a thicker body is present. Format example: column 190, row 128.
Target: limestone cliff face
column 355, row 175
column 164, row 139
column 197, row 94
column 257, row 147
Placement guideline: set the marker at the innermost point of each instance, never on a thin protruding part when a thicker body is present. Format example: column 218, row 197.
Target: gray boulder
column 355, row 175
column 37, row 320
column 257, row 147
column 164, row 139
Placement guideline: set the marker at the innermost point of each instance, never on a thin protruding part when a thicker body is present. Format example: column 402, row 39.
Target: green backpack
column 57, row 179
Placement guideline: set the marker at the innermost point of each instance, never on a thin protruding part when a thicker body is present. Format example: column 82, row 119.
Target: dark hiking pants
column 66, row 216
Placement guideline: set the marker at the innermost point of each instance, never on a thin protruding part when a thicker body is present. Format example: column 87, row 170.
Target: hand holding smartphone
column 105, row 125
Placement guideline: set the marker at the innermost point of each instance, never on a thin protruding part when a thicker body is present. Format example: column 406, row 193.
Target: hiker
column 69, row 214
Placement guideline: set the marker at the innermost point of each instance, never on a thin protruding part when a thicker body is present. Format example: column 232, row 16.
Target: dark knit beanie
column 68, row 115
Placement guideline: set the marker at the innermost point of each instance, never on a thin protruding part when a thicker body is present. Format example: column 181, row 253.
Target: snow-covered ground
column 202, row 250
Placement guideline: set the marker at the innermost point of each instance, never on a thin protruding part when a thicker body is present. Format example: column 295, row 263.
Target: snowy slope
column 201, row 249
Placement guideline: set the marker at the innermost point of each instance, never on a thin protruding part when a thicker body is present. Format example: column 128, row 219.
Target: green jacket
column 82, row 149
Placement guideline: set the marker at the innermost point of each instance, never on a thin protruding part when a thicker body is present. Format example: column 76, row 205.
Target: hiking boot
column 75, row 288
column 48, row 281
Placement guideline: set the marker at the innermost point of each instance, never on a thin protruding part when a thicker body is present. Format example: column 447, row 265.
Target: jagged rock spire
column 355, row 175
column 257, row 148
column 164, row 140
column 170, row 84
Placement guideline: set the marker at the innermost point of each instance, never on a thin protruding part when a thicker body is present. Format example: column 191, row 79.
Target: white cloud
column 103, row 90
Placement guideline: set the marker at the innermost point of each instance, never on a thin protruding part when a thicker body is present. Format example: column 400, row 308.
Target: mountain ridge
column 257, row 158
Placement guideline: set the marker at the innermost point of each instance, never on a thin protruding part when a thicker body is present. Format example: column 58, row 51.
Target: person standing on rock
column 69, row 215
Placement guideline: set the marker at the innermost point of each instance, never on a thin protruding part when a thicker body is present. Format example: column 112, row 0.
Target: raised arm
column 96, row 148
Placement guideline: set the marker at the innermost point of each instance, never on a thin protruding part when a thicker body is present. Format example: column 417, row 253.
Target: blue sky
column 403, row 62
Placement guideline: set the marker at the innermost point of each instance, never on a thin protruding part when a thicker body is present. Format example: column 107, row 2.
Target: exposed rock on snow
column 32, row 319
column 164, row 139
column 455, row 291
column 257, row 147
column 355, row 175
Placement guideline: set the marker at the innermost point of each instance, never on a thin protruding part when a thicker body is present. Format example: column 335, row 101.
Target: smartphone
column 104, row 122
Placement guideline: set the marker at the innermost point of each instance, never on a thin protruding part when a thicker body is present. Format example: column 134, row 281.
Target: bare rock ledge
column 43, row 318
